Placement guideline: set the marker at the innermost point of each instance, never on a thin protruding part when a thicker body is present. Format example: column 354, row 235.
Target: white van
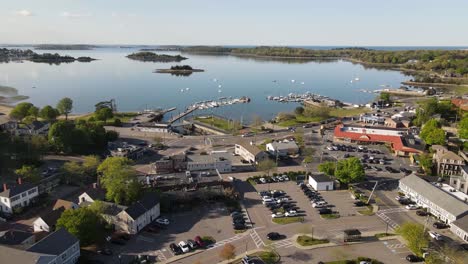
column 319, row 204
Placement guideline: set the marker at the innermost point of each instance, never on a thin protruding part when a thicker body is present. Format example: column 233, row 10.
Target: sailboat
column 187, row 89
column 356, row 79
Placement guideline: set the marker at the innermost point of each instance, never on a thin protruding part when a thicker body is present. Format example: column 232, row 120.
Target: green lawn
column 461, row 89
column 215, row 122
column 343, row 112
column 379, row 235
column 287, row 220
column 310, row 241
column 334, row 112
column 368, row 211
column 330, row 216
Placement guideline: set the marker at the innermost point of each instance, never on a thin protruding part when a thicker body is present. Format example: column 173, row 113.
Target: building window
column 23, row 195
column 31, row 191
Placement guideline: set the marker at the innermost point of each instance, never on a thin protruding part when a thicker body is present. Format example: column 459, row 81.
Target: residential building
column 138, row 215
column 372, row 119
column 282, row 148
column 65, row 204
column 460, row 183
column 401, row 142
column 249, row 152
column 215, row 161
column 47, row 221
column 321, row 182
column 20, row 129
column 14, row 255
column 20, row 195
column 439, row 203
column 62, row 245
column 447, row 163
column 92, row 194
column 16, row 238
column 460, row 228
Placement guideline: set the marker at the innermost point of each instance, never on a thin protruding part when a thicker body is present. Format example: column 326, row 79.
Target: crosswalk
column 383, row 214
column 256, row 238
column 229, row 240
column 283, row 243
column 396, row 248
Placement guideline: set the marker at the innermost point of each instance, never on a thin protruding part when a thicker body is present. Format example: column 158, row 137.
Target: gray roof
column 55, row 244
column 208, row 158
column 321, row 178
column 51, row 217
column 14, row 237
column 284, row 145
column 435, row 195
column 461, row 223
column 16, row 189
column 254, row 150
column 143, row 205
column 13, row 255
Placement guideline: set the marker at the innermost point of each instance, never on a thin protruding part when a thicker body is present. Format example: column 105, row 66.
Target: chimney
column 5, row 187
column 94, row 185
column 19, row 181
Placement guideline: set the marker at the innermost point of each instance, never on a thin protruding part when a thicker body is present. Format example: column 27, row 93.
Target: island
column 64, row 47
column 7, row 55
column 179, row 70
column 153, row 57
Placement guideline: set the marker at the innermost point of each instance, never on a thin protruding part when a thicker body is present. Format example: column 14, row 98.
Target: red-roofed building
column 401, row 143
column 460, row 103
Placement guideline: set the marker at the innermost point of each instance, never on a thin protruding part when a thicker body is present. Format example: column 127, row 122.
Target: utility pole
column 370, row 196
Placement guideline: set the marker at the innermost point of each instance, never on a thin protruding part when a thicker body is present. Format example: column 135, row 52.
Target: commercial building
column 20, row 195
column 138, row 215
column 401, row 142
column 321, row 182
column 170, row 164
column 438, row 202
column 214, row 161
column 123, row 149
column 446, row 162
column 249, row 152
column 282, row 148
column 460, row 183
column 460, row 228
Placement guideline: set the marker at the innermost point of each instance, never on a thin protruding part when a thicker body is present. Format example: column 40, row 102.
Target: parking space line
column 256, row 238
column 160, row 255
column 226, row 241
column 283, row 243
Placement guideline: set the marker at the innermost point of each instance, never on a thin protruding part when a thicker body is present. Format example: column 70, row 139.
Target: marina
column 306, row 98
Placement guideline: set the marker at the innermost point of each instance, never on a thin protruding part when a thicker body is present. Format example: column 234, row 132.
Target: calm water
column 134, row 86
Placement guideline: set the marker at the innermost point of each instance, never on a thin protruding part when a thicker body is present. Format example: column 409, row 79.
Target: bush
column 310, row 241
column 209, row 240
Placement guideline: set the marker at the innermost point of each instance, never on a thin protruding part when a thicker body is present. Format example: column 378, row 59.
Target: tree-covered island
column 153, row 57
column 184, row 70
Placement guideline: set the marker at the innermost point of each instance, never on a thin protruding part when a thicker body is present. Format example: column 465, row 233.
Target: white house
column 47, row 221
column 20, row 195
column 321, row 182
column 138, row 215
column 215, row 161
column 439, row 203
column 249, row 152
column 282, row 148
column 92, row 194
column 60, row 247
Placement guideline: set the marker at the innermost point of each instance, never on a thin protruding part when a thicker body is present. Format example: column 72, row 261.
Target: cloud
column 24, row 12
column 75, row 15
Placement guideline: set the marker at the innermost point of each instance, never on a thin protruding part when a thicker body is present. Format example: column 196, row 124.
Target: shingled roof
column 143, row 205
column 16, row 189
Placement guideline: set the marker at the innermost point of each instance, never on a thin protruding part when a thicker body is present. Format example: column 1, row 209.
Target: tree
column 103, row 114
column 21, row 111
column 228, row 252
column 385, row 97
column 73, row 172
column 349, row 170
column 119, row 179
column 90, row 165
column 299, row 110
column 34, row 112
column 267, row 166
column 283, row 116
column 28, row 173
column 463, row 128
column 416, row 238
column 328, row 168
column 432, row 134
column 83, row 223
column 49, row 113
column 65, row 106
column 61, row 136
column 425, row 160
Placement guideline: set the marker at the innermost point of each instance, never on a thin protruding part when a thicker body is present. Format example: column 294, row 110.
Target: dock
column 181, row 115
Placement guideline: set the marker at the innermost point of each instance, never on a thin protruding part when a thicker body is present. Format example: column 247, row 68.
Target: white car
column 280, row 200
column 291, row 213
column 184, row 246
column 412, row 207
column 262, row 180
column 277, row 215
column 163, row 221
column 435, row 235
column 318, row 204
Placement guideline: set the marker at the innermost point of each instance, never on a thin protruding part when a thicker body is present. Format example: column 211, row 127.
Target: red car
column 200, row 242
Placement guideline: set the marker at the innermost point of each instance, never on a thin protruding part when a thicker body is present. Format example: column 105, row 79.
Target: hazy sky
column 236, row 22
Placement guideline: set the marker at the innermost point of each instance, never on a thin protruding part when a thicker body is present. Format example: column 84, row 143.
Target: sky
column 236, row 22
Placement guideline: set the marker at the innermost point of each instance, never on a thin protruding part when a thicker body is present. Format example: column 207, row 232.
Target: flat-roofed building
column 249, row 152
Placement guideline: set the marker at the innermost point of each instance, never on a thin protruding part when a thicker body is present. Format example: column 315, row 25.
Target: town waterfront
column 135, row 87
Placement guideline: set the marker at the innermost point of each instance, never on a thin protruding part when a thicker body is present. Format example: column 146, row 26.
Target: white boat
column 187, row 89
column 181, row 90
column 219, row 86
column 219, row 91
column 293, row 81
column 215, row 80
column 356, row 79
column 302, row 82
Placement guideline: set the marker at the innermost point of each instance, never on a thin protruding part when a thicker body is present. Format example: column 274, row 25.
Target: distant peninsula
column 7, row 55
column 179, row 70
column 153, row 57
column 64, row 47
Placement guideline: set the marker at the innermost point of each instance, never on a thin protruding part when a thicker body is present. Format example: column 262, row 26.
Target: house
column 460, row 183
column 20, row 195
column 214, row 161
column 249, row 152
column 460, row 228
column 20, row 129
column 110, row 211
column 138, row 215
column 321, row 182
column 63, row 246
column 447, row 163
column 65, row 204
column 48, row 220
column 442, row 205
column 17, row 239
column 399, row 139
column 14, row 255
column 282, row 148
column 92, row 194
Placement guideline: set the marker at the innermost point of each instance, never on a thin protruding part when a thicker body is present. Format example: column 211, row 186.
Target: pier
column 181, row 115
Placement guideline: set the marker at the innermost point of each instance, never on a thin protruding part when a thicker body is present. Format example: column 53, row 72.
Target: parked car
column 435, row 235
column 412, row 207
column 360, row 203
column 200, row 241
column 440, row 225
column 422, row 213
column 118, row 241
column 175, row 249
column 192, row 244
column 236, row 213
column 277, row 215
column 163, row 221
column 319, row 204
column 239, row 227
column 184, row 246
column 105, row 251
column 325, row 211
column 413, row 258
column 291, row 213
column 274, row 236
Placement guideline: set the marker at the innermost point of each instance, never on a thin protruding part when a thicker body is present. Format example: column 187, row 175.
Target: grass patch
column 239, row 231
column 288, row 220
column 368, row 211
column 334, row 112
column 209, row 240
column 310, row 241
column 461, row 89
column 300, row 119
column 214, row 121
column 342, row 112
column 380, row 235
column 330, row 216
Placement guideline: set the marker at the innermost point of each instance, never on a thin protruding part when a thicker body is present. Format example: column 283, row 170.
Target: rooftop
column 14, row 237
column 17, row 189
column 51, row 217
column 436, row 195
column 55, row 243
column 63, row 203
column 249, row 147
column 320, row 178
column 286, row 144
column 462, row 223
column 13, row 255
column 219, row 156
column 141, row 206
